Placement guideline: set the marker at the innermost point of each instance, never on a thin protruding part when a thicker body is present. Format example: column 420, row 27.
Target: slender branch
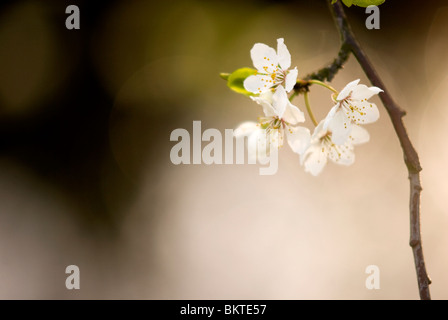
column 411, row 158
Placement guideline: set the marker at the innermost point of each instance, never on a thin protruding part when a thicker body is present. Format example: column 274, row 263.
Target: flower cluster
column 334, row 137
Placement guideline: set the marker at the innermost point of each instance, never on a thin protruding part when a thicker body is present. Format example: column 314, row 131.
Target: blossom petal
column 362, row 92
column 361, row 112
column 293, row 115
column 358, row 135
column 264, row 58
column 346, row 91
column 343, row 154
column 275, row 138
column 245, row 129
column 291, row 79
column 280, row 101
column 329, row 117
column 284, row 57
column 257, row 148
column 315, row 159
column 258, row 83
column 267, row 96
column 340, row 127
column 298, row 139
column 319, row 132
column 265, row 103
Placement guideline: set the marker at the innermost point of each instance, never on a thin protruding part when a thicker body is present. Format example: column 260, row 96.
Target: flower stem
column 323, row 85
column 308, row 108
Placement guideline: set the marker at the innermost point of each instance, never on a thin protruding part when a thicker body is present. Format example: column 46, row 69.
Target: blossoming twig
column 411, row 159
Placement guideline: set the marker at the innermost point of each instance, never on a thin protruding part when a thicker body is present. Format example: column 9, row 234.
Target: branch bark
column 411, row 159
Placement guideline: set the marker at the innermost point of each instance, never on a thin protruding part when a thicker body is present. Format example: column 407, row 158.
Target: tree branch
column 411, row 159
column 326, row 73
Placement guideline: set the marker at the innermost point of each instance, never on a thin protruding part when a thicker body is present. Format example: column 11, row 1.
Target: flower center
column 352, row 111
column 277, row 76
column 272, row 123
column 274, row 127
column 326, row 137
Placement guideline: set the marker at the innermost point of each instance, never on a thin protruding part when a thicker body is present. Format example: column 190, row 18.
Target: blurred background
column 86, row 177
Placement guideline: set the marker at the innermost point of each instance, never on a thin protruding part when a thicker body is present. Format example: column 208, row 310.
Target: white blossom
column 280, row 121
column 352, row 108
column 272, row 69
column 322, row 147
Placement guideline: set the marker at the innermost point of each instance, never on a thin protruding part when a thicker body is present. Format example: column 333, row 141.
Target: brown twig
column 350, row 43
column 326, row 73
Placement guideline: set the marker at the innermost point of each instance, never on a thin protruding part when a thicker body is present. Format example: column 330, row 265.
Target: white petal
column 298, row 139
column 358, row 135
column 319, row 132
column 258, row 83
column 267, row 96
column 342, row 154
column 330, row 116
column 315, row 159
column 362, row 92
column 280, row 101
column 245, row 129
column 293, row 115
column 291, row 79
column 268, row 110
column 340, row 127
column 346, row 91
column 275, row 138
column 264, row 58
column 361, row 112
column 256, row 146
column 284, row 57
